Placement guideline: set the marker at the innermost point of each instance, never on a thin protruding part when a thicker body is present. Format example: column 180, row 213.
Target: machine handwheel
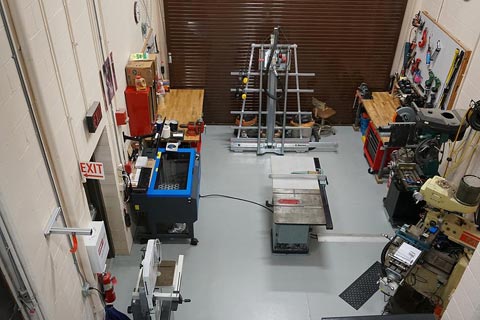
column 194, row 241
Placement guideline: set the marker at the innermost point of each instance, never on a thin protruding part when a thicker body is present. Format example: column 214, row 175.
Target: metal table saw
column 299, row 202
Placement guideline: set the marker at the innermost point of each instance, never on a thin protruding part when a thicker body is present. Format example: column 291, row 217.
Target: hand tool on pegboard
column 456, row 63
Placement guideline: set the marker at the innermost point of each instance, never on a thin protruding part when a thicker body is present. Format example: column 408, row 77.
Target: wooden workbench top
column 381, row 108
column 183, row 105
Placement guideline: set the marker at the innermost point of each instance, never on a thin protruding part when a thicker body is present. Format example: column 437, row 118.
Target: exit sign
column 92, row 170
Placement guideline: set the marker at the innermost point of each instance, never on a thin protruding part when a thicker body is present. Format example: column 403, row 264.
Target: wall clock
column 136, row 12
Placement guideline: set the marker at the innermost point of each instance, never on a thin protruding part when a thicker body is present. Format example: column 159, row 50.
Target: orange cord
column 75, row 244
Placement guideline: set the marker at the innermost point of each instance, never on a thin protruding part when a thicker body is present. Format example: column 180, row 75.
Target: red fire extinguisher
column 108, row 287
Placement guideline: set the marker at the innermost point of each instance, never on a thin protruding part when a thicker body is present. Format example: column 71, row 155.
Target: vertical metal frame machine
column 272, row 133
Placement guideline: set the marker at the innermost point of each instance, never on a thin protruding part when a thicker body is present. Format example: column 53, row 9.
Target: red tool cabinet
column 141, row 112
column 374, row 148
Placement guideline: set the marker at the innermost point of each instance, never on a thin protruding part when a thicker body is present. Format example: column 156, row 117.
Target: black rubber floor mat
column 363, row 288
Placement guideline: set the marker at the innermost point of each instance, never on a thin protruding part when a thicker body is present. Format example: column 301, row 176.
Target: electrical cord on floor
column 212, row 195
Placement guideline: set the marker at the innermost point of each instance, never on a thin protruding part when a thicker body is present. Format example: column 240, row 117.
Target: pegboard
column 443, row 61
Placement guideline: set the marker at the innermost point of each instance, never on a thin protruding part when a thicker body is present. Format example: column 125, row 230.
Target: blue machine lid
column 173, row 173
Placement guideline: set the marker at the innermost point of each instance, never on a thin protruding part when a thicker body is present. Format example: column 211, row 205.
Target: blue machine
column 173, row 174
column 167, row 194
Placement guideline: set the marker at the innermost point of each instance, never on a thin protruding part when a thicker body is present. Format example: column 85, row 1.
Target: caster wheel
column 372, row 171
column 194, row 241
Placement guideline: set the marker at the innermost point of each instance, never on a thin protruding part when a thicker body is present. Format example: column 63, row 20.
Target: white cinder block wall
column 27, row 200
column 61, row 50
column 460, row 18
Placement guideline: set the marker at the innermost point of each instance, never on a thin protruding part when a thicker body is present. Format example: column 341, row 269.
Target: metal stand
column 151, row 300
column 50, row 229
column 272, row 137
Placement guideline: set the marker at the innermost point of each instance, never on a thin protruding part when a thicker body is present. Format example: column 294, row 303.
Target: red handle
column 423, row 42
column 75, row 244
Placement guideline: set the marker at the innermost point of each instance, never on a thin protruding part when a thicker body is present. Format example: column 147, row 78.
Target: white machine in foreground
column 437, row 249
column 157, row 293
column 439, row 193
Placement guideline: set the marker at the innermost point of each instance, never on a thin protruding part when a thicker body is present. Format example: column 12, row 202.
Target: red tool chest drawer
column 374, row 148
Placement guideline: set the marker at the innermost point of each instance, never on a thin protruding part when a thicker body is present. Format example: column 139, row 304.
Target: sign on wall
column 92, row 170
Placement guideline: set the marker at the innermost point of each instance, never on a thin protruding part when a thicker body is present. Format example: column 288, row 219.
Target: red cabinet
column 374, row 149
column 141, row 112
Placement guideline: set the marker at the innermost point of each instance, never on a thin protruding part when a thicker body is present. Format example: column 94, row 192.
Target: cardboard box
column 147, row 57
column 142, row 68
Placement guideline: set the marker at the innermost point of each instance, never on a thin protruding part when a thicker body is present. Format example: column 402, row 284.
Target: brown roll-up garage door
column 343, row 42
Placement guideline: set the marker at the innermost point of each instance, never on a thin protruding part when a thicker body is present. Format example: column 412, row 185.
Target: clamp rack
column 279, row 58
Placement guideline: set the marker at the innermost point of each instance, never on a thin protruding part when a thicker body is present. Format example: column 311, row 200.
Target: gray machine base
column 140, row 310
column 251, row 144
column 290, row 238
column 291, row 145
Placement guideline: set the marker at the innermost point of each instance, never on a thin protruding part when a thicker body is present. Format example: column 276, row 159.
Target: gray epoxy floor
column 232, row 273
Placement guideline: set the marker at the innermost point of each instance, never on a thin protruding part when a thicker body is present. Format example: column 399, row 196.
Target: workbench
column 381, row 110
column 183, row 105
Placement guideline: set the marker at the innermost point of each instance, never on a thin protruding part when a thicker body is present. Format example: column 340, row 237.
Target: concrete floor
column 232, row 273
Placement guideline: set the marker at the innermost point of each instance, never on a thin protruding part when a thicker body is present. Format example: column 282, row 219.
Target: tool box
column 374, row 149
